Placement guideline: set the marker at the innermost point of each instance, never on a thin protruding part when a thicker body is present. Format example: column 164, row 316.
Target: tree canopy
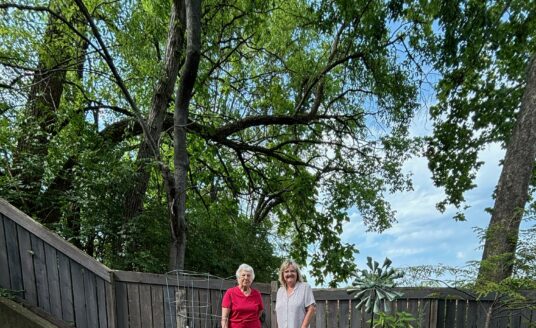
column 300, row 111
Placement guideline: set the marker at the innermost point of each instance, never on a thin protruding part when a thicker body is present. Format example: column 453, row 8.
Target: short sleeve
column 226, row 301
column 309, row 297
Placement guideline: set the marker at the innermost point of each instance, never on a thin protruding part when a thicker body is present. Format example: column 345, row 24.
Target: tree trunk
column 60, row 53
column 180, row 118
column 159, row 104
column 512, row 190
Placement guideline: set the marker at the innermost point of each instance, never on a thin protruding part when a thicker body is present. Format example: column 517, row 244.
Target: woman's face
column 245, row 279
column 290, row 275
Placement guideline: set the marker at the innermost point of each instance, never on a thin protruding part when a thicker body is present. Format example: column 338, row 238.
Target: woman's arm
column 225, row 317
column 311, row 309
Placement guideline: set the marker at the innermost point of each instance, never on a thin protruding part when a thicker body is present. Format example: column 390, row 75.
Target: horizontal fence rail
column 47, row 272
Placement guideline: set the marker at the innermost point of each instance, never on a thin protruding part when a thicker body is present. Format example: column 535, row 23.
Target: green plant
column 397, row 320
column 8, row 293
column 373, row 286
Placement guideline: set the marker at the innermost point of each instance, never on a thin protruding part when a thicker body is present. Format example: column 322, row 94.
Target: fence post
column 273, row 296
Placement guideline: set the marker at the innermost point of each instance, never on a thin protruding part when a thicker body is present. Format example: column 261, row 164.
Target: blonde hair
column 247, row 268
column 284, row 266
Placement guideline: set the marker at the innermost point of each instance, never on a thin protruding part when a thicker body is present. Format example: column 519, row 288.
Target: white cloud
column 423, row 235
column 404, row 251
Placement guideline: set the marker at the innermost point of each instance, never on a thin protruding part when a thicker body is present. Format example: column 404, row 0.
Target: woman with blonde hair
column 295, row 304
column 242, row 305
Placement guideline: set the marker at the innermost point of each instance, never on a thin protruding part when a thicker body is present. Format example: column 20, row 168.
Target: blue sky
column 423, row 235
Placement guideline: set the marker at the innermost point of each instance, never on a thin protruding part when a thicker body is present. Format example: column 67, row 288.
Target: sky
column 422, row 235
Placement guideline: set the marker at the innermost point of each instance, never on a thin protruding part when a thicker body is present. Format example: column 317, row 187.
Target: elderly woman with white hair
column 295, row 304
column 242, row 305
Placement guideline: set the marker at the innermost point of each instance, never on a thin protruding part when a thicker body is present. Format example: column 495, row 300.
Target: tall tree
column 512, row 190
column 484, row 51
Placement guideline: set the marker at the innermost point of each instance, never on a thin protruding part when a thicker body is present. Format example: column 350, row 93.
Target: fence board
column 195, row 305
column 515, row 320
column 525, row 318
column 111, row 310
column 66, row 289
column 53, row 279
column 450, row 313
column 402, row 305
column 441, row 309
column 4, row 264
column 268, row 318
column 169, row 307
column 90, row 292
column 481, row 314
column 133, row 296
column 366, row 318
column 121, row 304
column 321, row 314
column 413, row 307
column 204, row 299
column 187, row 303
column 461, row 313
column 472, row 308
column 77, row 275
column 423, row 318
column 101, row 303
column 332, row 313
column 216, row 297
column 26, row 260
column 145, row 306
column 344, row 314
column 41, row 280
column 13, row 257
column 157, row 301
column 433, row 313
column 501, row 321
column 355, row 315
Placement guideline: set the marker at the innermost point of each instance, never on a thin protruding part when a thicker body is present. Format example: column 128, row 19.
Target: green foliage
column 301, row 112
column 481, row 50
column 398, row 320
column 439, row 276
column 9, row 294
column 218, row 237
column 375, row 285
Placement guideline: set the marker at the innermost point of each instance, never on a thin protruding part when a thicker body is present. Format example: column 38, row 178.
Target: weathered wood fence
column 47, row 272
column 432, row 308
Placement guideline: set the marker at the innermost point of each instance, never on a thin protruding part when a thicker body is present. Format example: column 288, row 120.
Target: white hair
column 247, row 268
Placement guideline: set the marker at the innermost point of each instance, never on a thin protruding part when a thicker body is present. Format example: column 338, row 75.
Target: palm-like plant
column 372, row 286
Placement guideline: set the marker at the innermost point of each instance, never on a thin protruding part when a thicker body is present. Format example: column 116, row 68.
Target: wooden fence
column 432, row 308
column 47, row 272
